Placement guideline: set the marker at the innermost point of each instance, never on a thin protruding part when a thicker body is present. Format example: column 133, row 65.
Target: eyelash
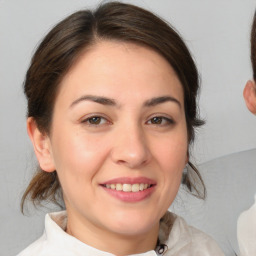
column 96, row 120
column 168, row 121
column 99, row 118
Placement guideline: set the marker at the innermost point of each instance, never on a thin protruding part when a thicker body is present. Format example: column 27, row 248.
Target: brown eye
column 160, row 120
column 94, row 120
column 156, row 120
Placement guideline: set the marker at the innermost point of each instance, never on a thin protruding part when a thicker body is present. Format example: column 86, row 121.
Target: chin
column 136, row 224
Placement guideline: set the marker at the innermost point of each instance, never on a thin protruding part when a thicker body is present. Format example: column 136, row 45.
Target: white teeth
column 128, row 187
column 113, row 186
column 135, row 187
column 119, row 187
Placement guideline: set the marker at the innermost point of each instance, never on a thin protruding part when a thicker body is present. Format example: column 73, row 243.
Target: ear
column 250, row 96
column 42, row 146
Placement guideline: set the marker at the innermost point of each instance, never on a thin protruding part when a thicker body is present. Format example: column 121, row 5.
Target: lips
column 130, row 189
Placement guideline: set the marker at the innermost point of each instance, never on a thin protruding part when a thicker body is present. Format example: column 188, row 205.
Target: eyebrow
column 111, row 102
column 159, row 100
column 97, row 99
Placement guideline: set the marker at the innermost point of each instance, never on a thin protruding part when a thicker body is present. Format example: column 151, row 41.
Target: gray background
column 217, row 33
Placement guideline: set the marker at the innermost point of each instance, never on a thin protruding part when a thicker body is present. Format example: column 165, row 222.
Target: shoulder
column 42, row 247
column 247, row 217
column 246, row 231
column 36, row 248
column 50, row 242
column 185, row 240
column 202, row 244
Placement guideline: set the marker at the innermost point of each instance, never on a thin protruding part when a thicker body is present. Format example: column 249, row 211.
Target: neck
column 108, row 241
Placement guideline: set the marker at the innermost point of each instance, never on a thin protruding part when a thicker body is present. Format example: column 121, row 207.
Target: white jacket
column 181, row 240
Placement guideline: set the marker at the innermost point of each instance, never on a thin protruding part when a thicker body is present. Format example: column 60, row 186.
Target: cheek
column 172, row 157
column 172, row 151
column 77, row 156
column 172, row 160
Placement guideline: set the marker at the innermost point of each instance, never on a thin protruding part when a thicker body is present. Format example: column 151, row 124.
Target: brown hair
column 64, row 44
column 253, row 46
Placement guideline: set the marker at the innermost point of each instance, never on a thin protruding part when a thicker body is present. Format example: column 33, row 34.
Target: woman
column 246, row 223
column 111, row 113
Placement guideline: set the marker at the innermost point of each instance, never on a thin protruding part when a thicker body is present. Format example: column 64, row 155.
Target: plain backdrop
column 217, row 33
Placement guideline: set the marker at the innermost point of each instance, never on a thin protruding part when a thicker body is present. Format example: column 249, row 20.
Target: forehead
column 112, row 68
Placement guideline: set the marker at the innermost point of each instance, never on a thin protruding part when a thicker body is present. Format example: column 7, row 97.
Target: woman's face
column 119, row 139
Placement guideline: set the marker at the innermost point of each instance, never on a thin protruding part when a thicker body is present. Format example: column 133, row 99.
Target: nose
column 131, row 148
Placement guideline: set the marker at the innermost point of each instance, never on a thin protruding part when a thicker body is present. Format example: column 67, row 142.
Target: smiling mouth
column 128, row 187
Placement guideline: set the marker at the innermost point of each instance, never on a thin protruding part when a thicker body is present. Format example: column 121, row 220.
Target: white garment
column 246, row 232
column 183, row 240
